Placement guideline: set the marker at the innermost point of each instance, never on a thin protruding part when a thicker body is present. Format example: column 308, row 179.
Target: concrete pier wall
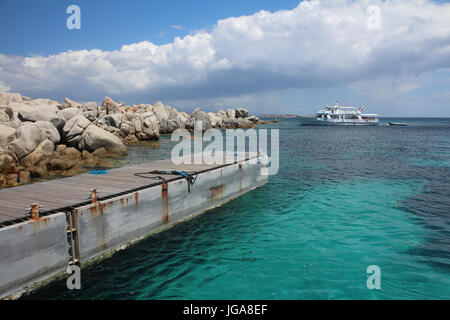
column 32, row 251
column 109, row 224
column 35, row 250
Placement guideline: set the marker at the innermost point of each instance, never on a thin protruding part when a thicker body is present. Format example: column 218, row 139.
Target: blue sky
column 38, row 26
column 290, row 61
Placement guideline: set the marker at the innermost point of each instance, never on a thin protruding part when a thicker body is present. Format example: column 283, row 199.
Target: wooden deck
column 61, row 194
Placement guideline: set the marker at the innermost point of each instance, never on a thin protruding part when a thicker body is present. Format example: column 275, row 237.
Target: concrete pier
column 85, row 217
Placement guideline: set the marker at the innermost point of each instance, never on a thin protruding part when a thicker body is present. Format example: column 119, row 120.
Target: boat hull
column 400, row 124
column 313, row 121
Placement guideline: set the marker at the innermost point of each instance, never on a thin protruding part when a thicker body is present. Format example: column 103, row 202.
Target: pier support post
column 93, row 195
column 34, row 211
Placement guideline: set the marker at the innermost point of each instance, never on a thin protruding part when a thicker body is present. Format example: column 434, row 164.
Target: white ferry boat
column 340, row 116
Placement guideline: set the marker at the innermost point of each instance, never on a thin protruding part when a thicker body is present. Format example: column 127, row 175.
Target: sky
column 267, row 56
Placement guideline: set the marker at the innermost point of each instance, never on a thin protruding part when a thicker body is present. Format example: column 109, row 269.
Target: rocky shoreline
column 278, row 116
column 41, row 138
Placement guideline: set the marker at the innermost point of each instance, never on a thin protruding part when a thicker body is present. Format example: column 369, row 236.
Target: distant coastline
column 278, row 116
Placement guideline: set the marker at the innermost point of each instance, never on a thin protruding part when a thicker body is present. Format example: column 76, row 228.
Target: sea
column 344, row 199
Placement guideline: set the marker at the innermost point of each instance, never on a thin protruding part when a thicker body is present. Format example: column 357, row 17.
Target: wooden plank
column 71, row 191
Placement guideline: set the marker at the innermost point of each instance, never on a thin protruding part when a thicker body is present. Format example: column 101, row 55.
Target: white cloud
column 316, row 44
column 177, row 27
column 3, row 87
column 387, row 87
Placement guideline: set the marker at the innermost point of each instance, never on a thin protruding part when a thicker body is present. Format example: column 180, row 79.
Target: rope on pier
column 189, row 176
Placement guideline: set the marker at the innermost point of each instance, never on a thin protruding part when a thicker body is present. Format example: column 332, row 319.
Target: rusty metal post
column 165, row 201
column 93, row 195
column 34, row 211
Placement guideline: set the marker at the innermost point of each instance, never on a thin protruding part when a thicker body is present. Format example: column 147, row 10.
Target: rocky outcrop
column 166, row 117
column 94, row 138
column 73, row 130
column 72, row 104
column 231, row 113
column 200, row 116
column 4, row 116
column 241, row 113
column 91, row 107
column 160, row 111
column 49, row 131
column 42, row 137
column 111, row 120
column 7, row 134
column 150, row 127
column 244, row 123
column 8, row 98
column 27, row 138
column 110, row 106
column 70, row 113
column 40, row 156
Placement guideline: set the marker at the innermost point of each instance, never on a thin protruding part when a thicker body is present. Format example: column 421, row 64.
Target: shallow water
column 345, row 198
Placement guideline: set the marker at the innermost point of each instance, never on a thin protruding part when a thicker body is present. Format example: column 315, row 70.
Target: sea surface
column 345, row 198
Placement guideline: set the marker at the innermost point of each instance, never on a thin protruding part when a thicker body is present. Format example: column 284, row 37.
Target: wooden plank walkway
column 61, row 193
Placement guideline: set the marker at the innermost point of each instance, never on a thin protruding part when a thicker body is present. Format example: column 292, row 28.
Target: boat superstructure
column 338, row 115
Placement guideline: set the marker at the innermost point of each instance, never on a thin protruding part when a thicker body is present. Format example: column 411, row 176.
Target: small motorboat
column 402, row 124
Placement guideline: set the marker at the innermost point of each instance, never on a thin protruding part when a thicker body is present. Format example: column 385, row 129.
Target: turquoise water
column 344, row 199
